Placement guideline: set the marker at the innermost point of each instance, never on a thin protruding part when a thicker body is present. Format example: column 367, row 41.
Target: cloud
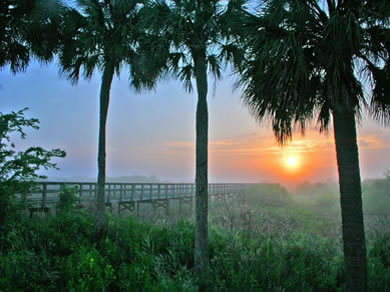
column 372, row 142
column 258, row 157
column 257, row 144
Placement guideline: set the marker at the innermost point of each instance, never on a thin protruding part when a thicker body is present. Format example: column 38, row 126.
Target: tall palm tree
column 308, row 59
column 102, row 35
column 194, row 33
column 28, row 28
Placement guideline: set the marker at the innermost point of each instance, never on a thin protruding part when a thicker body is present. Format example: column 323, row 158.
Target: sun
column 292, row 162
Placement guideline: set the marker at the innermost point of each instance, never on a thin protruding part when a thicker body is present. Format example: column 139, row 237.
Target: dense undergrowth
column 272, row 243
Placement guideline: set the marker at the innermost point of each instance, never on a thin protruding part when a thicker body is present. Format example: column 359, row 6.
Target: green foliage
column 68, row 198
column 18, row 170
column 379, row 263
column 61, row 252
column 86, row 269
column 26, row 269
column 285, row 248
column 301, row 263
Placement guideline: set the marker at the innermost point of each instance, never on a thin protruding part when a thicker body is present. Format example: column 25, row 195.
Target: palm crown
column 188, row 28
column 28, row 28
column 323, row 55
column 102, row 33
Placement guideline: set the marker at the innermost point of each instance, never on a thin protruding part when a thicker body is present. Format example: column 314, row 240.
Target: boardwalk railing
column 46, row 194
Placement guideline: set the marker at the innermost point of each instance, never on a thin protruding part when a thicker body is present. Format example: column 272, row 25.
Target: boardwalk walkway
column 126, row 196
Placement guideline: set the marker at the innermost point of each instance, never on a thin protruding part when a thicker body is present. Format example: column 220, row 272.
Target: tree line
column 296, row 61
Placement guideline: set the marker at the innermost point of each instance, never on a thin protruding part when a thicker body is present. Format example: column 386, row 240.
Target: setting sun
column 292, row 162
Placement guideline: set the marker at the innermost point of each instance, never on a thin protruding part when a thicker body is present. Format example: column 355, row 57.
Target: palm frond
column 380, row 100
column 185, row 74
column 192, row 26
column 29, row 28
column 301, row 61
column 214, row 65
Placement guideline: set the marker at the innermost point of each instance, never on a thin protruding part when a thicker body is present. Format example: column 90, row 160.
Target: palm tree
column 103, row 35
column 193, row 33
column 308, row 59
column 28, row 28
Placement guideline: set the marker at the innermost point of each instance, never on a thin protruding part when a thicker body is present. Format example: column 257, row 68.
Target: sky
column 153, row 133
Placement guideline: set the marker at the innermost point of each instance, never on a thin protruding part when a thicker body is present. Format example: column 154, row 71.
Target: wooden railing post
column 120, row 198
column 80, row 192
column 108, row 192
column 44, row 194
column 95, row 192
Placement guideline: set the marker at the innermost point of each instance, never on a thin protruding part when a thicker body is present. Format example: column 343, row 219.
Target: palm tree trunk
column 101, row 220
column 201, row 177
column 350, row 200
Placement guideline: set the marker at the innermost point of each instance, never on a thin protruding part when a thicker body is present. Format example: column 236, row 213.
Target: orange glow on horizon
column 259, row 158
column 309, row 158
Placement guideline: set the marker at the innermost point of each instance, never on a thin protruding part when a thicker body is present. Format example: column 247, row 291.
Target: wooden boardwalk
column 126, row 196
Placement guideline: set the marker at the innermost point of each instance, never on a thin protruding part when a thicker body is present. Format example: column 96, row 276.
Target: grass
column 281, row 244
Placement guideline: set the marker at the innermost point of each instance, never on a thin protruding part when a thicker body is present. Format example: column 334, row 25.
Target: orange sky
column 257, row 156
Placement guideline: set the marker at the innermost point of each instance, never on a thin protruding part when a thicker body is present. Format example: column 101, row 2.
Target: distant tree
column 194, row 31
column 18, row 170
column 28, row 28
column 304, row 60
column 102, row 35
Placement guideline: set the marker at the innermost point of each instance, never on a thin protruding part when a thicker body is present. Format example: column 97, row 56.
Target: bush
column 68, row 198
column 87, row 270
column 18, row 169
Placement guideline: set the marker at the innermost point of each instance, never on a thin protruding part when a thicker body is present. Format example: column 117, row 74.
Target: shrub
column 18, row 169
column 68, row 198
column 86, row 269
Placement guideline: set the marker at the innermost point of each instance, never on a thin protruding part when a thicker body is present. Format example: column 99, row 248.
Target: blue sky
column 139, row 125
